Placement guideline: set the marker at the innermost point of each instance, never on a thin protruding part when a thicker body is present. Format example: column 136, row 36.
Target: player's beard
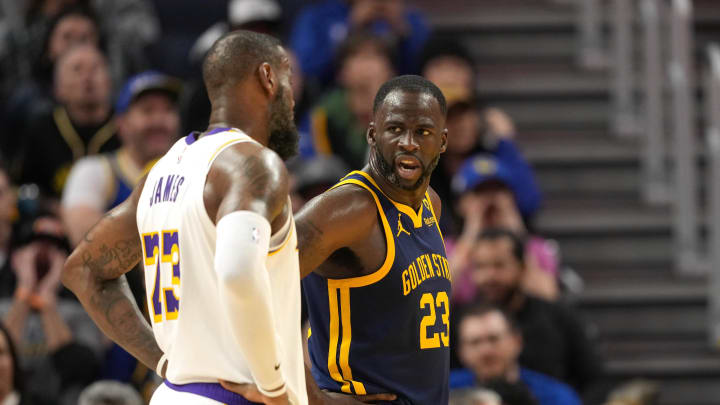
column 387, row 170
column 283, row 132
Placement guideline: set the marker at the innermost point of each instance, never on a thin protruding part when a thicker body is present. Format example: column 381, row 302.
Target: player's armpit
column 95, row 273
column 336, row 219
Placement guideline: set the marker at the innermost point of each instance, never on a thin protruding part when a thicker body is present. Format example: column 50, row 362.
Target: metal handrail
column 686, row 232
column 712, row 120
column 591, row 54
column 655, row 173
column 624, row 121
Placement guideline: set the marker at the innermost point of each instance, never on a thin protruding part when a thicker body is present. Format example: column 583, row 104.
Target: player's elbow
column 73, row 272
column 239, row 272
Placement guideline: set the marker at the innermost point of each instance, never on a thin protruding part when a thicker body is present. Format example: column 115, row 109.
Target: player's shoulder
column 251, row 159
column 344, row 202
column 360, row 199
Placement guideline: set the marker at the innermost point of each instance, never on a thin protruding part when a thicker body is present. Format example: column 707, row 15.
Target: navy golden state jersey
column 388, row 331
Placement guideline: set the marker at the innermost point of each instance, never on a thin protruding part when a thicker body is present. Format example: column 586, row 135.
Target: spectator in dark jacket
column 79, row 125
column 557, row 342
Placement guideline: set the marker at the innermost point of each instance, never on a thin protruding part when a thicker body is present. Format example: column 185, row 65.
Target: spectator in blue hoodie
column 490, row 343
column 321, row 28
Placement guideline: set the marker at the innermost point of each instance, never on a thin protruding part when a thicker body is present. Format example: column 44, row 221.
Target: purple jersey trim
column 213, row 391
column 190, row 139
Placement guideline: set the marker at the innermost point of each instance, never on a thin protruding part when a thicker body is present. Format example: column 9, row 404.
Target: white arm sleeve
column 243, row 240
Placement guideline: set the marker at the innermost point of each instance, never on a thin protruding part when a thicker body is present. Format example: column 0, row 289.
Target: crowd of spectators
column 92, row 92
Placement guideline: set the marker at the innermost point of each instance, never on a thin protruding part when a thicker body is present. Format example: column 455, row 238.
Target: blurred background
column 581, row 186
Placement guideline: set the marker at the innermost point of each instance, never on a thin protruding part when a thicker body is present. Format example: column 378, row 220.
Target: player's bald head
column 237, row 55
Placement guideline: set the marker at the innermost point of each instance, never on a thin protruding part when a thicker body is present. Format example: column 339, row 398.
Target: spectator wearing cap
column 80, row 124
column 489, row 193
column 448, row 64
column 147, row 121
column 253, row 15
column 490, row 343
column 338, row 123
column 557, row 342
column 321, row 28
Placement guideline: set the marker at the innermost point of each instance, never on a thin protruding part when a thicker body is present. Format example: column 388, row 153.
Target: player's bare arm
column 248, row 177
column 344, row 218
column 95, row 273
column 340, row 222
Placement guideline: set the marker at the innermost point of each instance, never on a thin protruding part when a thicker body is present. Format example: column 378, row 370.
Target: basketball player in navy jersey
column 377, row 280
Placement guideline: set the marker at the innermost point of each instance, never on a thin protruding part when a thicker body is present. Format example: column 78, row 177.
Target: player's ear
column 370, row 134
column 443, row 140
column 268, row 80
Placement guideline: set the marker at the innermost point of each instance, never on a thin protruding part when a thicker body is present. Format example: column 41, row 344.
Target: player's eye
column 424, row 132
column 395, row 130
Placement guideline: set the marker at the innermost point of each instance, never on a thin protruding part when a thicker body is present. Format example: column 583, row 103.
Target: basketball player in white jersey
column 213, row 225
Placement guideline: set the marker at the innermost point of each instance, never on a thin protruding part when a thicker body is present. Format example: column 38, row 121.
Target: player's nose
column 407, row 142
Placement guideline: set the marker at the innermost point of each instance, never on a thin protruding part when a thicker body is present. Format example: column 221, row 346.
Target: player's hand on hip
column 343, row 399
column 252, row 394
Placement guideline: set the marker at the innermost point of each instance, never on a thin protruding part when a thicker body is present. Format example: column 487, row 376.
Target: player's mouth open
column 407, row 167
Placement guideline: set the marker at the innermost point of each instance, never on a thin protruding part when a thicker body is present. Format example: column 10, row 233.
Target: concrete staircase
column 649, row 322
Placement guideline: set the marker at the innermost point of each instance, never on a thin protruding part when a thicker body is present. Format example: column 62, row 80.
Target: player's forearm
column 112, row 307
column 252, row 323
column 243, row 239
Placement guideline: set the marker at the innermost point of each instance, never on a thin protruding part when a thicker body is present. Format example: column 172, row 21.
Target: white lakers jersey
column 178, row 241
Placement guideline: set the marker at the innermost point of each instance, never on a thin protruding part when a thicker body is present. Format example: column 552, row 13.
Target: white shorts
column 196, row 394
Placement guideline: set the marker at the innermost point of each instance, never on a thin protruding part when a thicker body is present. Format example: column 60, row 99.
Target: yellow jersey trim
column 416, row 217
column 437, row 223
column 378, row 275
column 285, row 242
column 333, row 341
column 73, row 140
column 221, row 147
column 101, row 137
column 68, row 133
column 337, row 318
column 346, row 339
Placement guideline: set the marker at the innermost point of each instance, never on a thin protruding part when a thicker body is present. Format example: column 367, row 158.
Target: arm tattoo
column 112, row 306
column 256, row 175
column 113, row 261
column 307, row 233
